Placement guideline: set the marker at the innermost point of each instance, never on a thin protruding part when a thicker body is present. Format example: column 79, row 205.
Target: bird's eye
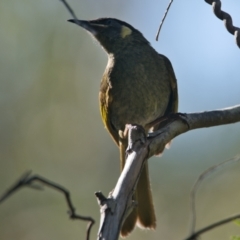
column 110, row 22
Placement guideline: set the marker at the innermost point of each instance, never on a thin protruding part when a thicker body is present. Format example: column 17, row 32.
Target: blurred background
column 50, row 72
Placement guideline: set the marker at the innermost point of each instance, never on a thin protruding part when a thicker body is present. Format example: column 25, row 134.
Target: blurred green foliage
column 235, row 238
column 49, row 78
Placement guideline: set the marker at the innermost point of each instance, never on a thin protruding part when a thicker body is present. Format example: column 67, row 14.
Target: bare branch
column 117, row 206
column 202, row 176
column 69, row 9
column 195, row 235
column 189, row 122
column 163, row 19
column 216, row 4
column 29, row 181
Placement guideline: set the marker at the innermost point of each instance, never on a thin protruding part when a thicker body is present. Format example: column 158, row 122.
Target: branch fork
column 142, row 148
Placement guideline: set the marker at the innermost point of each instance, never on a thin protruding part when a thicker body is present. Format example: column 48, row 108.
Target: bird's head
column 113, row 34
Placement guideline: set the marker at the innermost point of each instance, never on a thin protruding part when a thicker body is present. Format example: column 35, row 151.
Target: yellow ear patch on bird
column 125, row 31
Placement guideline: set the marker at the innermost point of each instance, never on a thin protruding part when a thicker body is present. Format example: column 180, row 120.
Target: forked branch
column 28, row 180
column 142, row 149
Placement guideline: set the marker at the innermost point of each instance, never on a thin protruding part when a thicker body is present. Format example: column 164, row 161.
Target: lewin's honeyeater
column 138, row 86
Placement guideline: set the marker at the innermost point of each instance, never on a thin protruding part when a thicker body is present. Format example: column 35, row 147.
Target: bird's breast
column 134, row 92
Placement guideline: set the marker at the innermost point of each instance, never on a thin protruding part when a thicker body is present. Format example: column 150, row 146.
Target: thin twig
column 196, row 185
column 165, row 15
column 212, row 226
column 69, row 9
column 29, row 181
column 226, row 18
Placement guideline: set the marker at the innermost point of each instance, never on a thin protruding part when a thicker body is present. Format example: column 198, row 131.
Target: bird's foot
column 167, row 119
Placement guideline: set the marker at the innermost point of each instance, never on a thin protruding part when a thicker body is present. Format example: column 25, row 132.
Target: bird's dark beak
column 85, row 24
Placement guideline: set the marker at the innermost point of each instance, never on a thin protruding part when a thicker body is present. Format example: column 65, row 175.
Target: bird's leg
column 167, row 119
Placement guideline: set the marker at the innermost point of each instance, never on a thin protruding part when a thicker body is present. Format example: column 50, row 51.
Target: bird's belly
column 140, row 110
column 136, row 95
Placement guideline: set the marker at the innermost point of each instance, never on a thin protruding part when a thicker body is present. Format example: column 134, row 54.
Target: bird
column 138, row 86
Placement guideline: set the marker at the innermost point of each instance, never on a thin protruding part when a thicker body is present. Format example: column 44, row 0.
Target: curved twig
column 216, row 4
column 201, row 177
column 69, row 9
column 165, row 15
column 29, row 181
column 195, row 235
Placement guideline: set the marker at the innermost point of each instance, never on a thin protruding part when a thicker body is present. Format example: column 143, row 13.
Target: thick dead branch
column 113, row 214
column 191, row 121
column 118, row 205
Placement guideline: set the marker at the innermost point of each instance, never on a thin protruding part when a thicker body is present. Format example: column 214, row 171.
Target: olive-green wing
column 105, row 110
column 105, row 100
column 173, row 101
